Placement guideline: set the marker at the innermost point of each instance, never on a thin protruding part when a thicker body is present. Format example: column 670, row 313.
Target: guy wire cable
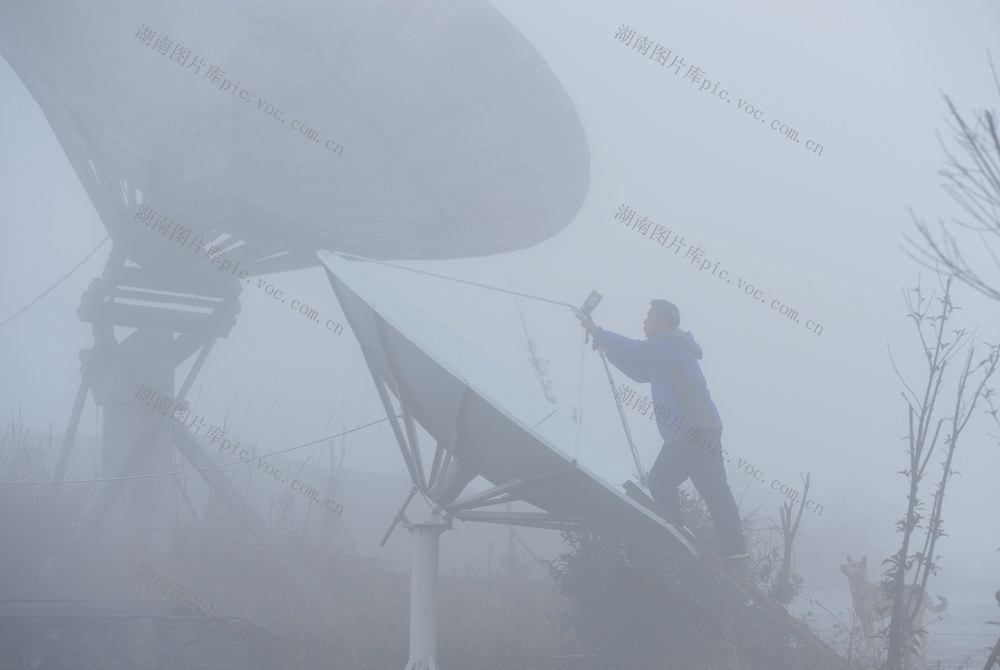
column 206, row 467
column 61, row 280
column 455, row 279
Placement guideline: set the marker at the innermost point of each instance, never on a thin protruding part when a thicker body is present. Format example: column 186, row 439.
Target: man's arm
column 628, row 355
column 632, row 368
column 624, row 347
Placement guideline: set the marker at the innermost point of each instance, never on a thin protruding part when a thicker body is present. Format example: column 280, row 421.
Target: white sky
column 820, row 233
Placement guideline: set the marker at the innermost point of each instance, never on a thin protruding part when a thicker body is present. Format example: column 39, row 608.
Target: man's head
column 662, row 316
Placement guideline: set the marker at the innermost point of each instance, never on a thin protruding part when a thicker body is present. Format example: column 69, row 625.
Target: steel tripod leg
column 101, row 502
column 303, row 580
column 74, row 423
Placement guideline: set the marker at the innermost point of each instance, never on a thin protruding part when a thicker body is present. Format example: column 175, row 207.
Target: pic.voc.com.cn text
column 628, row 397
column 215, row 254
column 180, row 413
column 669, row 240
column 185, row 58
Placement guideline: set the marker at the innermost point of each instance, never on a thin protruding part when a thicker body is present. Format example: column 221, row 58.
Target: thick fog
column 817, row 223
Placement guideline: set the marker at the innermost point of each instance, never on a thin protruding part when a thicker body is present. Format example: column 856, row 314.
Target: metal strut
column 469, row 508
column 621, row 415
column 400, row 516
column 503, row 492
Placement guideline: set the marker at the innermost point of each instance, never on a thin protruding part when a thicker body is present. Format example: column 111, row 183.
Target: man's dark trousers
column 682, row 459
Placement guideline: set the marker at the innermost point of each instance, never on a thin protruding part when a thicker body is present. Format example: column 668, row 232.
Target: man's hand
column 589, row 324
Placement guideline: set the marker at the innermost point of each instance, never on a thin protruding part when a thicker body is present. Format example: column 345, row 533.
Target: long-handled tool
column 584, row 313
column 621, row 414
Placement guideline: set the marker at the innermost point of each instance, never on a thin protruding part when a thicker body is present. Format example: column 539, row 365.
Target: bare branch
column 972, row 178
column 921, row 527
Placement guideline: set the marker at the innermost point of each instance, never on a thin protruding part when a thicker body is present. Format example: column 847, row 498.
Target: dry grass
column 487, row 620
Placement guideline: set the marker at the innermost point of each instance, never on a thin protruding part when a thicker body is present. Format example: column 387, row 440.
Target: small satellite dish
column 492, row 424
column 491, row 421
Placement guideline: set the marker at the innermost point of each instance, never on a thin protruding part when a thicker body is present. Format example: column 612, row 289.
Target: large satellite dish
column 417, row 130
column 263, row 131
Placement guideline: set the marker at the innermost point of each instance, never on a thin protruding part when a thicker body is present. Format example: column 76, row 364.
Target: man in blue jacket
column 686, row 416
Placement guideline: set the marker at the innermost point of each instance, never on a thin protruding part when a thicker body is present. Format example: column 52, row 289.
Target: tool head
column 588, row 305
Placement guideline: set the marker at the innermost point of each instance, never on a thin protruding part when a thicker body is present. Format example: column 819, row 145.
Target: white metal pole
column 424, row 595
